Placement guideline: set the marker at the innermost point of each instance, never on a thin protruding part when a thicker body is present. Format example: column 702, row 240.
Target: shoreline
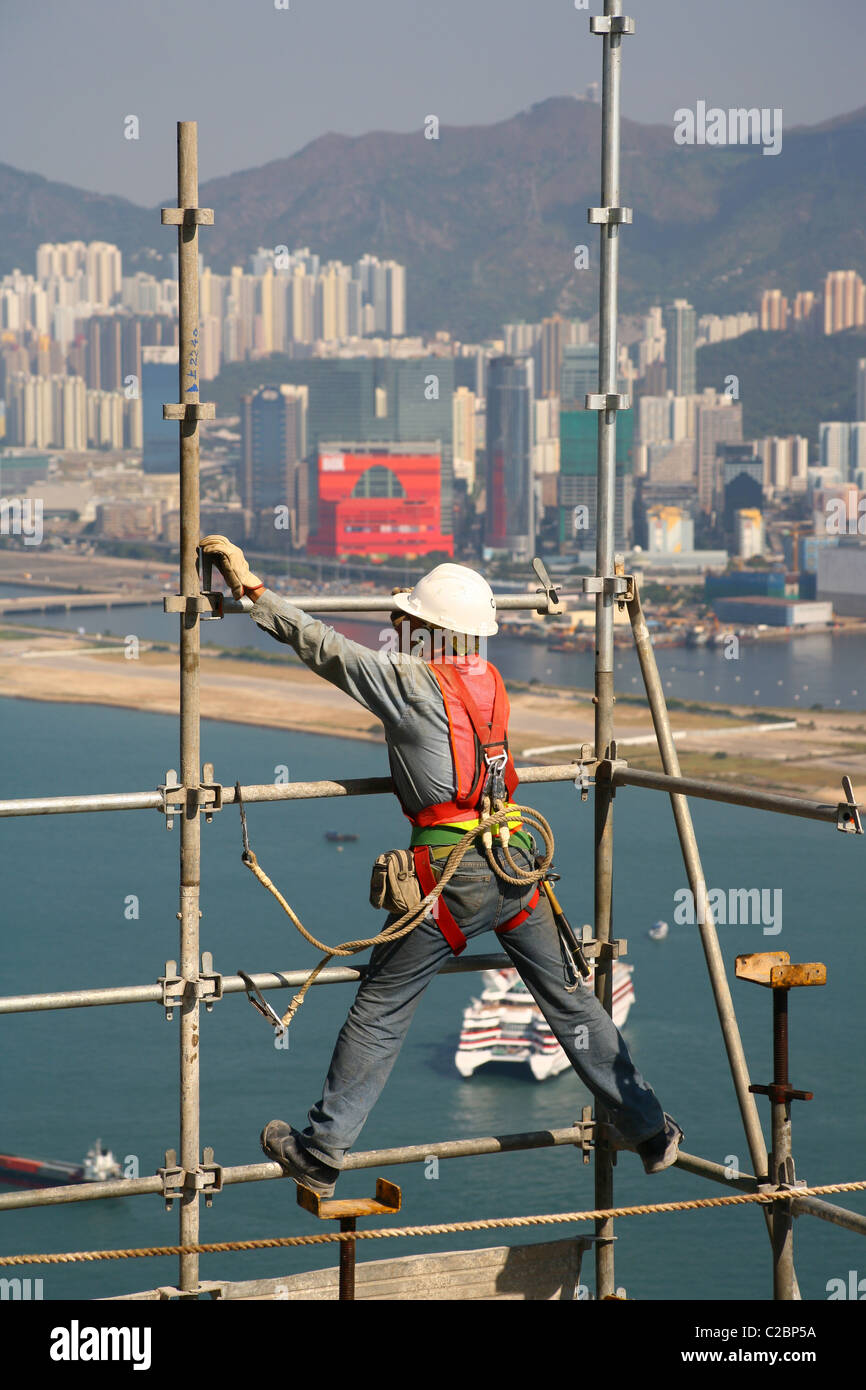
column 716, row 741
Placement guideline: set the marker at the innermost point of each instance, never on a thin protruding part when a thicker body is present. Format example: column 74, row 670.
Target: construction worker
column 442, row 717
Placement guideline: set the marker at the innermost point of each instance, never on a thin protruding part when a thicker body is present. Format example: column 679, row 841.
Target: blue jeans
column 400, row 971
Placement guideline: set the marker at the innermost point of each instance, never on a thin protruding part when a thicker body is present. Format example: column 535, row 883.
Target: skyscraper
column 579, row 374
column 383, row 295
column 273, row 447
column 510, row 516
column 554, row 331
column 680, row 331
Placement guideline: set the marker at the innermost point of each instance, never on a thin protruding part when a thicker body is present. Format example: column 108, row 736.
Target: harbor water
column 827, row 669
column 91, row 900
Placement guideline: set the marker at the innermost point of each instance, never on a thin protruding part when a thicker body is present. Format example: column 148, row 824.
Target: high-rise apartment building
column 843, row 447
column 844, row 301
column 465, row 405
column 680, row 353
column 786, row 462
column 383, row 295
column 805, row 307
column 651, row 347
column 718, row 420
column 520, row 338
column 774, row 311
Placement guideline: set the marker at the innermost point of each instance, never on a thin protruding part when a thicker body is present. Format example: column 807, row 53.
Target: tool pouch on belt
column 393, row 883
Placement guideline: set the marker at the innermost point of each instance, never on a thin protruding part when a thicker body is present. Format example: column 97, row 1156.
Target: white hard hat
column 454, row 597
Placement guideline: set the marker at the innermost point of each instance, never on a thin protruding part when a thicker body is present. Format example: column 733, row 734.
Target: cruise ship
column 506, row 1024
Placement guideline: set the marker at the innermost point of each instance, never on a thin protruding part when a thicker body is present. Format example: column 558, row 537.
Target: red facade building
column 379, row 501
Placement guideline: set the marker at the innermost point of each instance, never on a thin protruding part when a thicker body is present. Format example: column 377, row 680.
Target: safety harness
column 479, row 748
column 485, row 779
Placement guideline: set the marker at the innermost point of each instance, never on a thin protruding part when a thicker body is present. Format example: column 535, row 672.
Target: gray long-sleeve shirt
column 397, row 688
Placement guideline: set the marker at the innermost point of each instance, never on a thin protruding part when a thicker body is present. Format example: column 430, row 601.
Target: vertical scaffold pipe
column 706, row 924
column 190, row 728
column 606, row 403
column 784, row 1276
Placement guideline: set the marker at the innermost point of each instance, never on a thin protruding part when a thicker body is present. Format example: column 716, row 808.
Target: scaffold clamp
column 186, row 217
column 208, row 1177
column 610, row 24
column 209, row 985
column 172, row 1178
column 586, row 1142
column 585, row 778
column 172, row 797
column 594, row 949
column 206, row 605
column 173, row 987
column 607, row 400
column 189, row 410
column 621, row 586
column 848, row 812
column 609, row 217
column 210, row 793
column 607, row 768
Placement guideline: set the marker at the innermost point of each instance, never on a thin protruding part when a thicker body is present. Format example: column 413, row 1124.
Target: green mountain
column 788, row 382
column 486, row 218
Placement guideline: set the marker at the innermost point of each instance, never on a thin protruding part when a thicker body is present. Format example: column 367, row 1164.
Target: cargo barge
column 99, row 1165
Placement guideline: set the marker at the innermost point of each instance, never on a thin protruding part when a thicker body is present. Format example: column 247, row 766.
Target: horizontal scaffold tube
column 262, row 791
column 531, row 601
column 264, row 1172
column 63, row 805
column 231, row 984
column 729, row 792
column 624, row 776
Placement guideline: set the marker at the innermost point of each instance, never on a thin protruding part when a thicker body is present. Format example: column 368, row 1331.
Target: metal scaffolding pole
column 609, row 216
column 843, row 814
column 187, row 217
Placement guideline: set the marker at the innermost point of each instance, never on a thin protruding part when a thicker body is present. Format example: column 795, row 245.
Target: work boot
column 660, row 1150
column 281, row 1143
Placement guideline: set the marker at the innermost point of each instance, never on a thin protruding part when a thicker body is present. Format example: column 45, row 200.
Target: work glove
column 232, row 564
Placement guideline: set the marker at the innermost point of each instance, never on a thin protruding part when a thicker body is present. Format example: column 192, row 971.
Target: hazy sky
column 262, row 82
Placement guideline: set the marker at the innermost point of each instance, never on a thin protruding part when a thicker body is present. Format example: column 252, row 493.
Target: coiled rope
column 443, row 1228
column 402, row 926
